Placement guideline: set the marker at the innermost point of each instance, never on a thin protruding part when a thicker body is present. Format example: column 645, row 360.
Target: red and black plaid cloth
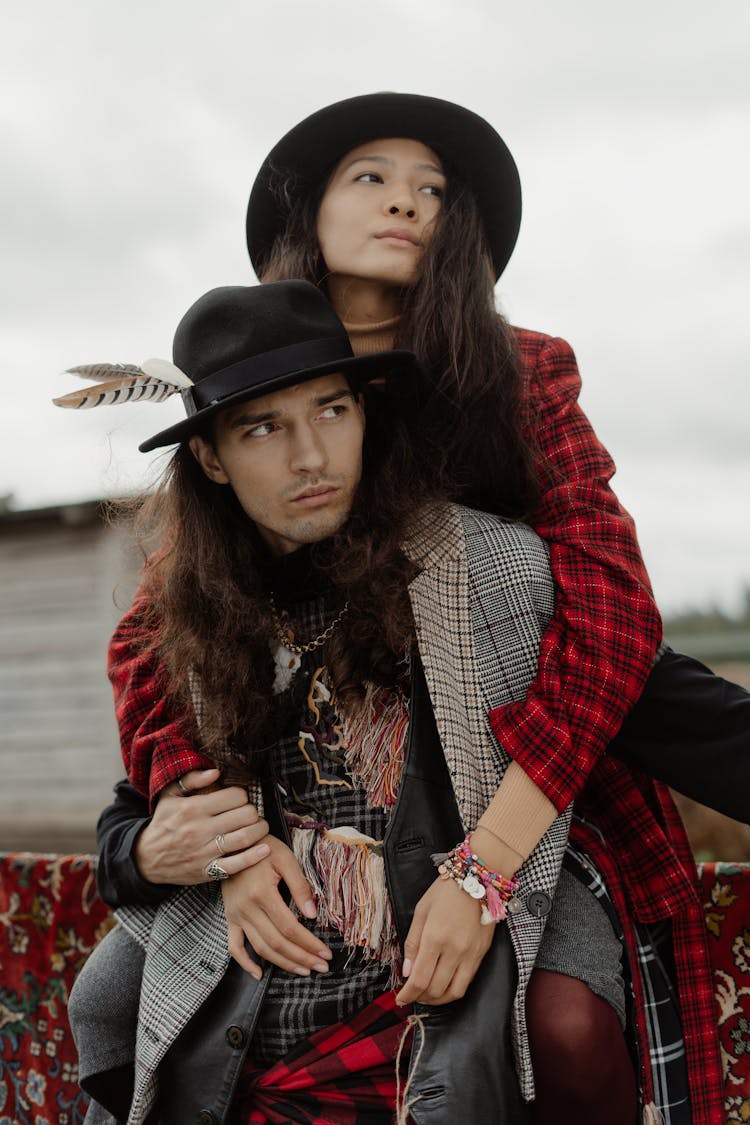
column 343, row 1075
column 597, row 652
column 594, row 659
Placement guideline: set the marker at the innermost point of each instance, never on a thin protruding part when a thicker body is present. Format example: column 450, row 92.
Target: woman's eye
column 369, row 178
column 433, row 189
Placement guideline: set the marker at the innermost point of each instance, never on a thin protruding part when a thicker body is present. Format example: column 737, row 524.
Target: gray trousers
column 103, row 1015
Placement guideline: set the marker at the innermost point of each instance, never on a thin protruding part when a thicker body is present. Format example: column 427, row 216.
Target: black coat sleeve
column 691, row 729
column 118, row 879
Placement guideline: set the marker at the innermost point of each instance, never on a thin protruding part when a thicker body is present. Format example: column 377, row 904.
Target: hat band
column 251, row 373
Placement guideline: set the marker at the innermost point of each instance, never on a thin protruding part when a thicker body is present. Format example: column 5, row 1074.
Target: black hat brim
column 468, row 143
column 362, row 369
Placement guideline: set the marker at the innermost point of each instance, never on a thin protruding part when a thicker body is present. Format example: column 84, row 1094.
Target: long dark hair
column 205, row 609
column 470, row 431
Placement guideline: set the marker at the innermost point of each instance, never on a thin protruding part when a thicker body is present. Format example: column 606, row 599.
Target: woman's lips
column 395, row 237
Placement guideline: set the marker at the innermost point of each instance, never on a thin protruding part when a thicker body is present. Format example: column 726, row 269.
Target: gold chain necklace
column 283, row 633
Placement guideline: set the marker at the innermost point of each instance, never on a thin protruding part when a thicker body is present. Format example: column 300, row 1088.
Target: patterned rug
column 726, row 890
column 51, row 918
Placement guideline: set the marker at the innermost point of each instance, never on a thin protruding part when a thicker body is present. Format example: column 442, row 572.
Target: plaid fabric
column 481, row 603
column 598, row 650
column 343, row 1075
column 185, row 940
column 665, row 1038
column 637, row 820
column 666, row 1045
column 295, row 1007
column 157, row 745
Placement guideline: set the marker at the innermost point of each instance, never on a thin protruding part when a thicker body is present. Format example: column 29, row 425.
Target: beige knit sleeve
column 517, row 817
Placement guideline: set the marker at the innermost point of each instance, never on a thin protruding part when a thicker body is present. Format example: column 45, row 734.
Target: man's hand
column 180, row 840
column 255, row 910
column 445, row 945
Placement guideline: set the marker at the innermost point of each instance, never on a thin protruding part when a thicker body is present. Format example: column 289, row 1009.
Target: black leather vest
column 462, row 1061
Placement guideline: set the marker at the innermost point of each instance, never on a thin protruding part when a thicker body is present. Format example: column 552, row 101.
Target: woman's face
column 379, row 210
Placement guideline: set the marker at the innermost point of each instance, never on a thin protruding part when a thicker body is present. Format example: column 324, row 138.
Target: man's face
column 293, row 458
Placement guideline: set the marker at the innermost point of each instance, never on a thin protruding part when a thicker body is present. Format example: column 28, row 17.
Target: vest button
column 206, row 1117
column 538, row 903
column 235, row 1037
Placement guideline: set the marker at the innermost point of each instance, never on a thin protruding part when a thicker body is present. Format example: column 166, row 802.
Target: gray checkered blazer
column 481, row 601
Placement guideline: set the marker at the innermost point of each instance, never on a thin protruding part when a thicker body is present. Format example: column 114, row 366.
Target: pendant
column 473, row 887
column 285, row 663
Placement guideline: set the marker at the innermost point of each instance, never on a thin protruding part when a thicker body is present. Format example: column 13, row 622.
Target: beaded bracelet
column 494, row 891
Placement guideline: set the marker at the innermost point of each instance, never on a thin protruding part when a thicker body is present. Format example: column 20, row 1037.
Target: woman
column 405, row 209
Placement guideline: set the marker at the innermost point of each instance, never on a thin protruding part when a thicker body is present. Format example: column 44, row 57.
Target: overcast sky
column 131, row 134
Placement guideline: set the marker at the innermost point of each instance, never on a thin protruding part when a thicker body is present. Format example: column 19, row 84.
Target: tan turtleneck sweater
column 372, row 337
column 519, row 814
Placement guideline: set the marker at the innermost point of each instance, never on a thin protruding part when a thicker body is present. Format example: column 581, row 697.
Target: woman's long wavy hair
column 206, row 609
column 470, row 432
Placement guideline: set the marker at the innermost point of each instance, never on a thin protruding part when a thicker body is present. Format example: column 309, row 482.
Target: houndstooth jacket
column 481, row 601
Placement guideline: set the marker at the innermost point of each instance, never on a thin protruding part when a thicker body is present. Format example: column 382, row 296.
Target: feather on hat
column 154, row 380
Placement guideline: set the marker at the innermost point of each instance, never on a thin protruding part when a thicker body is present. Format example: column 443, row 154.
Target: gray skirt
column 579, row 942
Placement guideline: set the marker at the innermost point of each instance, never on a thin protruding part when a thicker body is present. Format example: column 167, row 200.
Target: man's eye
column 261, row 430
column 333, row 411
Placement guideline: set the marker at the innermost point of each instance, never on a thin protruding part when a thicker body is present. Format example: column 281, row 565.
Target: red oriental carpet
column 726, row 890
column 50, row 920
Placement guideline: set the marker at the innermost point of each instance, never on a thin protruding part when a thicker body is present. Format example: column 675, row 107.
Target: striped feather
column 98, row 372
column 129, row 388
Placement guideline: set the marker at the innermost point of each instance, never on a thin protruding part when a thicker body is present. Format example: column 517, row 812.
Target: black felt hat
column 464, row 140
column 242, row 341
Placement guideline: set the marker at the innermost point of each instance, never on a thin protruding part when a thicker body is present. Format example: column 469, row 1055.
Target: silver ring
column 220, row 843
column 216, row 872
column 183, row 787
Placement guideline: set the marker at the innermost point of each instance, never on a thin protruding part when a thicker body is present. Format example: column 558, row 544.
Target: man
column 289, row 522
column 335, row 641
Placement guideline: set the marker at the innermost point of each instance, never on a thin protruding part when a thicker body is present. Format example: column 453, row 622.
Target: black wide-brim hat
column 239, row 342
column 468, row 144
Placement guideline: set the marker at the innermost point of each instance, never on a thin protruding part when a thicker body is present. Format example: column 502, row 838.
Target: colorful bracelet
column 493, row 890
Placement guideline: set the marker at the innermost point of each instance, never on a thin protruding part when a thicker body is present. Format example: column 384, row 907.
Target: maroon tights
column 582, row 1069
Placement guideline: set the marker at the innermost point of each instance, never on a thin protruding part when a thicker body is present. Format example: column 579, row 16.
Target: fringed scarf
column 344, row 866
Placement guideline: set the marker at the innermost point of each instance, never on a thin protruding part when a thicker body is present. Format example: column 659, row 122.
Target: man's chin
column 314, row 528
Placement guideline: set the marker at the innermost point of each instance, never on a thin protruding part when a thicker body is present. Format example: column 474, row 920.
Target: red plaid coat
column 594, row 660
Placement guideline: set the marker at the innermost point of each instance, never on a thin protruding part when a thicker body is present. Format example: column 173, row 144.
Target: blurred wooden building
column 60, row 571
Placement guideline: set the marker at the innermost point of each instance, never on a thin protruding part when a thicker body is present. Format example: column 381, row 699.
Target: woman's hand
column 445, row 945
column 180, row 840
column 255, row 910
